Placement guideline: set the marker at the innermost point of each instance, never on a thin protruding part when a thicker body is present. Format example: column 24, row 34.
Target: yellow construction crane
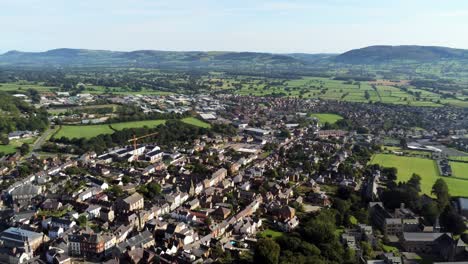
column 135, row 139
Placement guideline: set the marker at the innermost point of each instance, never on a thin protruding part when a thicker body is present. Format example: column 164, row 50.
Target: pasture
column 459, row 169
column 327, row 118
column 136, row 124
column 90, row 131
column 195, row 122
column 8, row 149
column 330, row 89
column 83, row 131
column 24, row 86
column 426, row 168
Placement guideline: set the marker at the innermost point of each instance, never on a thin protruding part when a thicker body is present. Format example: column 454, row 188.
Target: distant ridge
column 384, row 54
column 225, row 60
column 143, row 58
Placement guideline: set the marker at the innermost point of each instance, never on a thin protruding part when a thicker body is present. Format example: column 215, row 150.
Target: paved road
column 41, row 140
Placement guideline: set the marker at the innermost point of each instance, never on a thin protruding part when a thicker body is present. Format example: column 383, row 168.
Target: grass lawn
column 271, row 233
column 7, row 149
column 11, row 148
column 134, row 124
column 388, row 249
column 327, row 118
column 83, row 131
column 196, row 122
column 425, row 167
column 89, row 131
column 459, row 169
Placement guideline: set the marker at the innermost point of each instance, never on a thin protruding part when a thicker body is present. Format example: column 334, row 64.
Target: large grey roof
column 14, row 233
column 421, row 236
column 133, row 198
column 26, row 189
column 463, row 203
column 136, row 241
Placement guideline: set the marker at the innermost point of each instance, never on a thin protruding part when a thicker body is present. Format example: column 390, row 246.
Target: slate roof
column 136, row 241
column 133, row 198
column 421, row 236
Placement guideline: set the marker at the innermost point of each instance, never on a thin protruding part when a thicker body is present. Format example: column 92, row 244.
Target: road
column 41, row 140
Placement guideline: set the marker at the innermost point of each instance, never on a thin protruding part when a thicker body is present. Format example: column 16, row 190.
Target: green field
column 196, row 122
column 24, row 86
column 327, row 118
column 425, row 167
column 92, row 89
column 8, row 149
column 459, row 169
column 330, row 89
column 134, row 124
column 11, row 148
column 271, row 233
column 83, row 131
column 89, row 131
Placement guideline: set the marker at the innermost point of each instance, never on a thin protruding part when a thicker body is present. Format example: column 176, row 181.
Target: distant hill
column 388, row 54
column 237, row 62
column 147, row 58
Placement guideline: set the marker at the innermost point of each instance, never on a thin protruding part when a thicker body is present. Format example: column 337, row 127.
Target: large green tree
column 441, row 191
column 266, row 251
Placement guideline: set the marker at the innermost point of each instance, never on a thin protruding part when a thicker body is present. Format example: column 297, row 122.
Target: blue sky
column 236, row 25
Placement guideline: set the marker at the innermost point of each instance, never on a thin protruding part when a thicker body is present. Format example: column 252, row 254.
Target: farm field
column 135, row 124
column 89, row 131
column 94, row 89
column 196, row 122
column 83, row 131
column 326, row 88
column 425, row 167
column 327, row 118
column 459, row 169
column 23, row 86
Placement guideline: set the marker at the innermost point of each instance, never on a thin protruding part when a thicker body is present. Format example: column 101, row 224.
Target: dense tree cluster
column 169, row 134
column 441, row 208
column 17, row 114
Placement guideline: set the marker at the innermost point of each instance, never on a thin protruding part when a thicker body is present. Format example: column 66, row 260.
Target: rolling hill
column 294, row 63
column 144, row 58
column 388, row 54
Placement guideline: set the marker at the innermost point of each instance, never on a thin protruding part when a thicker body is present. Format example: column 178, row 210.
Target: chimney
column 402, row 206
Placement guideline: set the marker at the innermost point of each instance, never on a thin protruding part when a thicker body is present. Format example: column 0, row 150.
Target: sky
column 279, row 26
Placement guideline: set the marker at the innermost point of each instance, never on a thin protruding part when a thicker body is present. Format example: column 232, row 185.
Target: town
column 222, row 178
